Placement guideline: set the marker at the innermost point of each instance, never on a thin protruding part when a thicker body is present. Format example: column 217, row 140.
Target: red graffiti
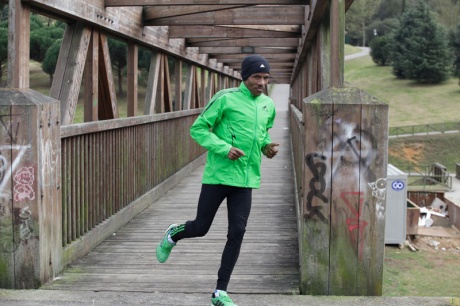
column 24, row 179
column 355, row 223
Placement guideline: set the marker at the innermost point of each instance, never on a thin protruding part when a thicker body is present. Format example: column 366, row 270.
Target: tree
column 381, row 50
column 446, row 12
column 118, row 56
column 358, row 17
column 420, row 50
column 389, row 9
column 51, row 58
column 3, row 12
column 455, row 44
column 42, row 38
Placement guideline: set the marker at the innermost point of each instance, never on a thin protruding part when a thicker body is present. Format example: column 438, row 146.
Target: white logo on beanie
column 262, row 66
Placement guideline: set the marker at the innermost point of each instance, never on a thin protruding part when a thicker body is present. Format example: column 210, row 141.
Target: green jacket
column 234, row 118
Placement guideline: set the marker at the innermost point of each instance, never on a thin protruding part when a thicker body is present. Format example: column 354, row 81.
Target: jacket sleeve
column 267, row 138
column 201, row 130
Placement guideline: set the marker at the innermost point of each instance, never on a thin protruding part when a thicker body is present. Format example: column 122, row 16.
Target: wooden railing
column 297, row 136
column 106, row 165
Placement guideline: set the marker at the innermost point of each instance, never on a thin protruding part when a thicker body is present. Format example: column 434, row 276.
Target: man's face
column 256, row 83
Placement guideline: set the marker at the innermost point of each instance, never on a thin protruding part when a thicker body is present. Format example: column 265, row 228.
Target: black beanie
column 254, row 64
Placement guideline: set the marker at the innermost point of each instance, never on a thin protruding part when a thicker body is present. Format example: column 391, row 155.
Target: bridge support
column 30, row 199
column 344, row 187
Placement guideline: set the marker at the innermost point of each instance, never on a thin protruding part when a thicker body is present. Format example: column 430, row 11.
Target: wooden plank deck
column 268, row 261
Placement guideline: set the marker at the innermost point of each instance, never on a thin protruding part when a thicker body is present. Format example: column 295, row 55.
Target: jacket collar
column 246, row 91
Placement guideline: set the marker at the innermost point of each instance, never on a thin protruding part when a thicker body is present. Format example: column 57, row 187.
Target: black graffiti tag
column 319, row 170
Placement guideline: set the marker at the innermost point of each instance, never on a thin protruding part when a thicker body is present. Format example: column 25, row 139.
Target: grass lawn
column 349, row 49
column 409, row 103
column 428, row 272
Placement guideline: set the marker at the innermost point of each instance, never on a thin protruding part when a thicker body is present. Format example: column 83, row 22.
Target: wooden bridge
column 269, row 261
column 96, row 196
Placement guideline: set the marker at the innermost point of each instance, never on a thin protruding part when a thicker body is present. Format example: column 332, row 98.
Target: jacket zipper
column 253, row 142
column 232, row 132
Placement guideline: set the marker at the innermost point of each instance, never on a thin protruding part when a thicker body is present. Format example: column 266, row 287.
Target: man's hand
column 270, row 150
column 235, row 153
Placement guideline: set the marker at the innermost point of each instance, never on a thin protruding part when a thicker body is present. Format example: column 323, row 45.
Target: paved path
column 364, row 51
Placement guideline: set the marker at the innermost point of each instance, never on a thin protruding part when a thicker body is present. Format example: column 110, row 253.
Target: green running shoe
column 222, row 299
column 164, row 247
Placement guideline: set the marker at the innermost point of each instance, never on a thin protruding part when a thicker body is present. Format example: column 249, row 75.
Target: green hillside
column 412, row 104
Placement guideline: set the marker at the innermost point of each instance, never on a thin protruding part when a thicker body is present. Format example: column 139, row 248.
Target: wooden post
column 152, row 84
column 346, row 146
column 178, row 84
column 30, row 198
column 91, row 79
column 69, row 69
column 18, row 44
column 337, row 28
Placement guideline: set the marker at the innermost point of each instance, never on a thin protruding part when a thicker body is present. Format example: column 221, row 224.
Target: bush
column 455, row 44
column 51, row 57
column 381, row 50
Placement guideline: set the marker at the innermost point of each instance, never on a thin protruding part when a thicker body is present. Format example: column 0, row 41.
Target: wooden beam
column 314, row 13
column 229, row 58
column 226, row 32
column 196, row 94
column 203, row 88
column 167, row 101
column 257, row 50
column 178, row 84
column 69, row 69
column 203, row 2
column 107, row 97
column 91, row 79
column 157, row 12
column 188, row 94
column 254, row 42
column 264, row 15
column 124, row 22
column 337, row 29
column 152, row 83
column 18, row 44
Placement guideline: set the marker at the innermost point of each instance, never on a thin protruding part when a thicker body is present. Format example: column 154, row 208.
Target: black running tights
column 238, row 209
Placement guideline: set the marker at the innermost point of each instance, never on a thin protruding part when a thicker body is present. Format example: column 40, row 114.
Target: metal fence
column 428, row 177
column 424, row 129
